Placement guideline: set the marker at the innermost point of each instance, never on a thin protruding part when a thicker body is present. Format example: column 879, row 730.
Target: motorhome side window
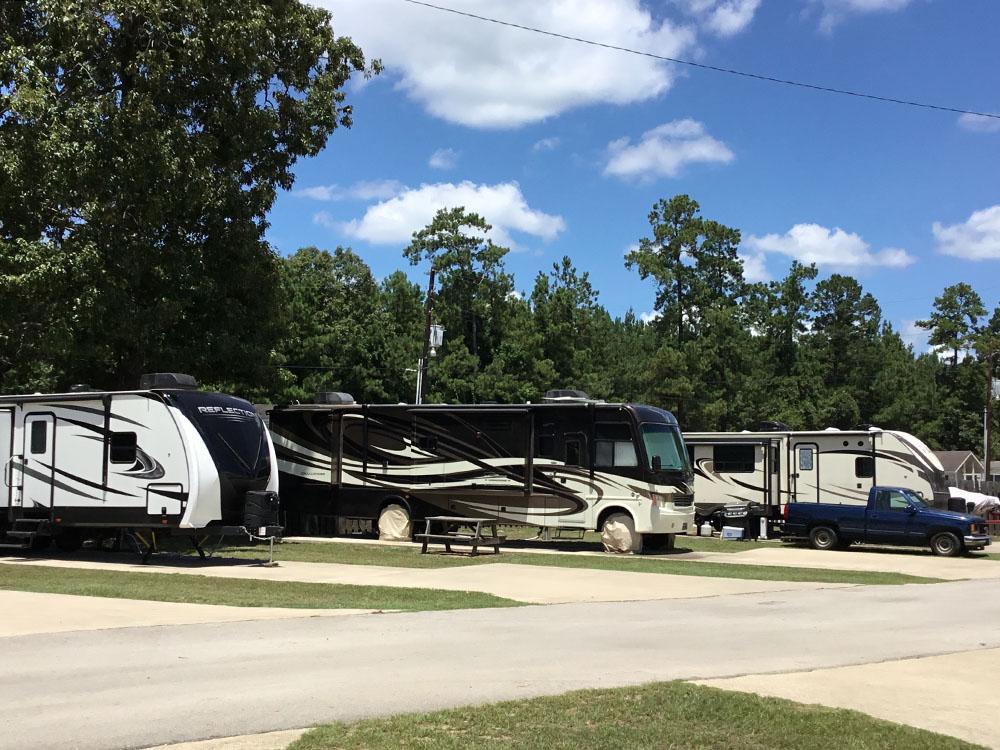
column 805, row 459
column 734, row 459
column 574, row 453
column 122, row 448
column 864, row 467
column 613, row 446
column 39, row 436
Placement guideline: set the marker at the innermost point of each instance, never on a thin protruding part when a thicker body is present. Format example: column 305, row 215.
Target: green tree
column 954, row 320
column 693, row 261
column 475, row 287
column 142, row 143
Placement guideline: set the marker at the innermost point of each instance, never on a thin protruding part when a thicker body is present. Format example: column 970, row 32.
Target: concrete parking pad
column 29, row 613
column 525, row 583
column 912, row 563
column 266, row 741
column 954, row 694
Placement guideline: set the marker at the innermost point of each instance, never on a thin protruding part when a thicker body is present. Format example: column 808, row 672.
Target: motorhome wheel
column 394, row 524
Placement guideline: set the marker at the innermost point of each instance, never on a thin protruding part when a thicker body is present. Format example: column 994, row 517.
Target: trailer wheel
column 394, row 524
column 946, row 544
column 824, row 538
column 619, row 535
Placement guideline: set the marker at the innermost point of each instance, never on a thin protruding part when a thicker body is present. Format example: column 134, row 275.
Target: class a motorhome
column 568, row 463
column 775, row 465
column 165, row 457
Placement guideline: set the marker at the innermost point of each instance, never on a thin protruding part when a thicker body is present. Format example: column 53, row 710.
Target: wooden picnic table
column 449, row 536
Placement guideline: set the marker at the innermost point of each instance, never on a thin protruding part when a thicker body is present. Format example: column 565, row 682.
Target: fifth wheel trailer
column 570, row 463
column 165, row 457
column 775, row 466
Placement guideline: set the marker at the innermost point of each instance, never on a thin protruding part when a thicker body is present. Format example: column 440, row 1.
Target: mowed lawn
column 659, row 715
column 410, row 557
column 196, row 589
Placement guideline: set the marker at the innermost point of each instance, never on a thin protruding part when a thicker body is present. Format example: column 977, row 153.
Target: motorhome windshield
column 664, row 442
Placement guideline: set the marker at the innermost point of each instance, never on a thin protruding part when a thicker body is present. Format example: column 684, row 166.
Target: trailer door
column 6, row 457
column 39, row 452
column 805, row 457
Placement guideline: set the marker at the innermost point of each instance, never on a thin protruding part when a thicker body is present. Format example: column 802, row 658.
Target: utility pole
column 988, row 416
column 425, row 352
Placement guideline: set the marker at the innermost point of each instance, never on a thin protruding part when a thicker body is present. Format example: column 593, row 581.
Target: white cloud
column 488, row 76
column 443, row 158
column 812, row 243
column 664, row 151
column 915, row 336
column 546, row 144
column 832, row 12
column 366, row 190
column 723, row 17
column 323, row 219
column 393, row 221
column 977, row 238
column 649, row 317
column 979, row 123
column 754, row 267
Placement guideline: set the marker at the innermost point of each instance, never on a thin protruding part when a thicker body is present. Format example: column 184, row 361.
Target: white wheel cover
column 394, row 524
column 618, row 534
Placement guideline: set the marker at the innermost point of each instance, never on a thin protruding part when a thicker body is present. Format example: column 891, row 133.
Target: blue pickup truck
column 893, row 515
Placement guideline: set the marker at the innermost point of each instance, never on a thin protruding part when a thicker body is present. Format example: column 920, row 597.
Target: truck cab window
column 891, row 501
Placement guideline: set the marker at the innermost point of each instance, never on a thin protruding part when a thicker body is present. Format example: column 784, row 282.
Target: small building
column 960, row 466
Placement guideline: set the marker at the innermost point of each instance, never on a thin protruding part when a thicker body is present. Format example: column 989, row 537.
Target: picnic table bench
column 449, row 534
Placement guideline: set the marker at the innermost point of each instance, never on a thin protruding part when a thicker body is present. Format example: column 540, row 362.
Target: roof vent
column 82, row 388
column 167, row 381
column 773, row 426
column 333, row 398
column 560, row 395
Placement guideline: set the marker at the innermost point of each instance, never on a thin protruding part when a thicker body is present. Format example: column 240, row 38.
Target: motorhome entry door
column 39, row 451
column 805, row 463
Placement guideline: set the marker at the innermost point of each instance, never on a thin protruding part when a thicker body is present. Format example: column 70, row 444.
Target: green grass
column 661, row 715
column 196, row 589
column 410, row 557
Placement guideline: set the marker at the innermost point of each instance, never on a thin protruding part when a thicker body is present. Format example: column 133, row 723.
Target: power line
column 703, row 66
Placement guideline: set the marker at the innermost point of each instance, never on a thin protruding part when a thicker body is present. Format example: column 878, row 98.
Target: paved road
column 136, row 687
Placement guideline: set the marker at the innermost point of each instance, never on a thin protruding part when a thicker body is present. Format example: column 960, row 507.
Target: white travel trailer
column 776, row 465
column 165, row 457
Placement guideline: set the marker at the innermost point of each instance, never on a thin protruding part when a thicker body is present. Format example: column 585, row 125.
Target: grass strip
column 237, row 592
column 410, row 557
column 659, row 715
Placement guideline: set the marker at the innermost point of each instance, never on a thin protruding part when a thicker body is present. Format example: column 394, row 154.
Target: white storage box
column 732, row 532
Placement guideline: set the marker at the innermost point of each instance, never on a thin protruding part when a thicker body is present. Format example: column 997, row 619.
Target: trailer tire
column 394, row 524
column 823, row 538
column 946, row 544
column 619, row 535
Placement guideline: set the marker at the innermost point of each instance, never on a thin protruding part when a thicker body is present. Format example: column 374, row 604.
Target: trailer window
column 805, row 459
column 613, row 446
column 864, row 467
column 122, row 447
column 39, row 436
column 734, row 459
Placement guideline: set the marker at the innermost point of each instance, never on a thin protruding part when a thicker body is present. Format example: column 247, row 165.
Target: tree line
column 143, row 143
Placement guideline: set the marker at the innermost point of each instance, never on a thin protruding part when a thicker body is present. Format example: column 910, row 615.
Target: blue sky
column 564, row 147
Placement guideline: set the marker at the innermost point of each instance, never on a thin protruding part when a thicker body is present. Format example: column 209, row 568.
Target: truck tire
column 946, row 544
column 823, row 538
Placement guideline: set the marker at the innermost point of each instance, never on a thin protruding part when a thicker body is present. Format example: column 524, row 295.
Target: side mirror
column 911, row 510
column 657, row 463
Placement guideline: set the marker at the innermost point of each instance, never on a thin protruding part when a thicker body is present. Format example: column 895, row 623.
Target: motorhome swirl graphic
column 166, row 457
column 569, row 463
